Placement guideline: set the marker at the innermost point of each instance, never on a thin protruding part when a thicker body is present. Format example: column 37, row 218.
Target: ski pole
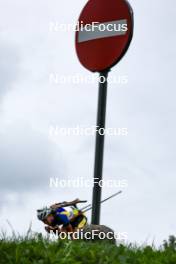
column 89, row 206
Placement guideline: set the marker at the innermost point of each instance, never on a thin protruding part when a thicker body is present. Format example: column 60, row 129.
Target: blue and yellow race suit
column 75, row 217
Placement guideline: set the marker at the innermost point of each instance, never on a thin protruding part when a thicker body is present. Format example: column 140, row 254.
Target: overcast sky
column 30, row 104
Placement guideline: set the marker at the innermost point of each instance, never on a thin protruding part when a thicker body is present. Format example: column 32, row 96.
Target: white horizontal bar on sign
column 102, row 30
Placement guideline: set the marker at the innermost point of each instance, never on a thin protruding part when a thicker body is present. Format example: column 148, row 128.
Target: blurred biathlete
column 57, row 219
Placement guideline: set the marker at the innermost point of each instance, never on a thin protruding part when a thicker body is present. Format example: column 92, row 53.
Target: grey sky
column 30, row 105
column 26, row 159
column 8, row 66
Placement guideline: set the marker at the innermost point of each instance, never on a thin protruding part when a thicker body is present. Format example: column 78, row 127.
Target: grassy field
column 42, row 251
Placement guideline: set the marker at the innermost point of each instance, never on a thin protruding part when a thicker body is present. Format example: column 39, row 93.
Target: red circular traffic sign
column 104, row 33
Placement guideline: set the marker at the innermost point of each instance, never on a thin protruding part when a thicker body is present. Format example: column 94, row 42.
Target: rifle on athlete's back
column 66, row 204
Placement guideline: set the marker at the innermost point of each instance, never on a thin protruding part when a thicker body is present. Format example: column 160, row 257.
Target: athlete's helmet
column 43, row 213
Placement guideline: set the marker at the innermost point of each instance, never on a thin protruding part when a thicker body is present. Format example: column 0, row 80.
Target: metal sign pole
column 99, row 147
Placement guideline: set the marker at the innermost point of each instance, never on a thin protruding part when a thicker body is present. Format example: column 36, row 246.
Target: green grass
column 41, row 251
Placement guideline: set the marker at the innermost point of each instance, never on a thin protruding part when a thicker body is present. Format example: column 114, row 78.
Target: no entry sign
column 105, row 29
column 104, row 33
